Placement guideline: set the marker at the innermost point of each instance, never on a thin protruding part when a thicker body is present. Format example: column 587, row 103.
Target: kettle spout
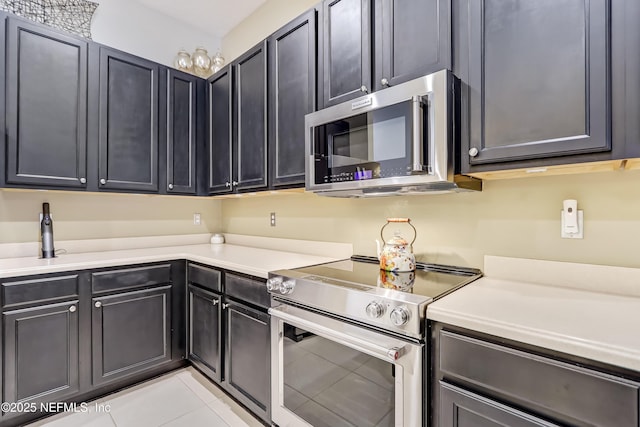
column 379, row 248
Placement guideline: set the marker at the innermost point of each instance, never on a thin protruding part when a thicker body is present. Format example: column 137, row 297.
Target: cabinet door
column 181, row 132
column 131, row 332
column 251, row 119
column 247, row 358
column 128, row 122
column 40, row 353
column 412, row 38
column 535, row 78
column 220, row 102
column 460, row 408
column 292, row 89
column 46, row 106
column 345, row 50
column 204, row 332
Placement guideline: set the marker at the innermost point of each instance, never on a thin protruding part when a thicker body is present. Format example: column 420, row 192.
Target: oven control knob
column 287, row 286
column 375, row 309
column 399, row 316
column 273, row 284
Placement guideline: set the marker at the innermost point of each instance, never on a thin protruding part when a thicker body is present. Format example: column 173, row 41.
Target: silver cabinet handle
column 215, row 301
column 103, row 181
column 234, row 183
column 83, row 180
column 72, row 309
column 170, row 186
column 384, row 82
column 98, row 304
column 473, row 152
column 225, row 306
column 364, row 89
column 227, row 184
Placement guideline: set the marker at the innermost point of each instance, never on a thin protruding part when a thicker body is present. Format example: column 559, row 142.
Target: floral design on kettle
column 396, row 254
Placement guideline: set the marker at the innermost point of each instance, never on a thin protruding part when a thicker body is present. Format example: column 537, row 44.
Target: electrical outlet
column 196, row 219
column 273, row 219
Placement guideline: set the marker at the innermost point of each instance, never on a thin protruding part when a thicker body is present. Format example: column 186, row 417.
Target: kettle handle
column 407, row 220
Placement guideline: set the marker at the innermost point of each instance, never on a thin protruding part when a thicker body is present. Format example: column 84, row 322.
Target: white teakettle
column 396, row 254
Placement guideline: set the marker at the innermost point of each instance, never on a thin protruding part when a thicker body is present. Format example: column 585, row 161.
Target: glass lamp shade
column 183, row 61
column 217, row 62
column 201, row 62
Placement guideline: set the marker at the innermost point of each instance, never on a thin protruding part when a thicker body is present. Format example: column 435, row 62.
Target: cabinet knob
column 225, row 306
column 234, row 183
column 384, row 82
column 98, row 304
column 473, row 152
column 83, row 180
column 364, row 89
column 103, row 181
column 215, row 301
column 72, row 309
column 170, row 186
column 227, row 184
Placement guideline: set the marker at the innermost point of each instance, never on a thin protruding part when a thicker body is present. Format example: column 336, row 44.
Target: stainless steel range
column 348, row 342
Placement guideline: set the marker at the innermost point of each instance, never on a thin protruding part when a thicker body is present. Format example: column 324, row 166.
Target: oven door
column 327, row 372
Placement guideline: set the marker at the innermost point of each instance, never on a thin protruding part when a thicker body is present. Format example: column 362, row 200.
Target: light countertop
column 594, row 323
column 244, row 259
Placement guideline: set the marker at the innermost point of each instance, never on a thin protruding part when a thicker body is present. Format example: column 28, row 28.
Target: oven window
column 329, row 385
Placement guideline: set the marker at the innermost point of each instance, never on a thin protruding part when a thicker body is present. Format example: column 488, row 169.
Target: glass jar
column 183, row 61
column 201, row 62
column 217, row 62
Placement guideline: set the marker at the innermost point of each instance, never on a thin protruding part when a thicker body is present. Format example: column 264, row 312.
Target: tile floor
column 180, row 398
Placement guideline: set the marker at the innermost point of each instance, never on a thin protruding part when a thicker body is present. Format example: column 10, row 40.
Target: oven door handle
column 370, row 342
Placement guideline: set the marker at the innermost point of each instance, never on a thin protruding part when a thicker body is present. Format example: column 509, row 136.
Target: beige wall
column 518, row 218
column 272, row 15
column 78, row 216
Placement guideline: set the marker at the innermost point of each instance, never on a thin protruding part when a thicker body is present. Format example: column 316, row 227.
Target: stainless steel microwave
column 395, row 141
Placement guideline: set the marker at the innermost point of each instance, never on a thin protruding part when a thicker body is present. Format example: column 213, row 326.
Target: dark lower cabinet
column 480, row 380
column 292, row 90
column 131, row 332
column 205, row 337
column 247, row 360
column 128, row 122
column 535, row 81
column 40, row 353
column 46, row 107
column 460, row 408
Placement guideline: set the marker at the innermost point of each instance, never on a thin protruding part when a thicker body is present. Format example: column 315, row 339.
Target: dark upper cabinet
column 292, row 90
column 46, row 106
column 181, row 131
column 220, row 112
column 128, row 122
column 238, row 124
column 131, row 332
column 40, row 351
column 411, row 38
column 251, row 119
column 344, row 51
column 205, row 334
column 535, row 79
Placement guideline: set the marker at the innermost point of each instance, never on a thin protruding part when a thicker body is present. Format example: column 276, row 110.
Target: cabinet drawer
column 555, row 389
column 39, row 290
column 205, row 277
column 249, row 290
column 113, row 280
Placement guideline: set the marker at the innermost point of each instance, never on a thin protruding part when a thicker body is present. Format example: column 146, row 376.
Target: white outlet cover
column 579, row 234
column 196, row 219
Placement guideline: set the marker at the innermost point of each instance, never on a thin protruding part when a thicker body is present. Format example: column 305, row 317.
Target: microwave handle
column 418, row 137
column 334, row 330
